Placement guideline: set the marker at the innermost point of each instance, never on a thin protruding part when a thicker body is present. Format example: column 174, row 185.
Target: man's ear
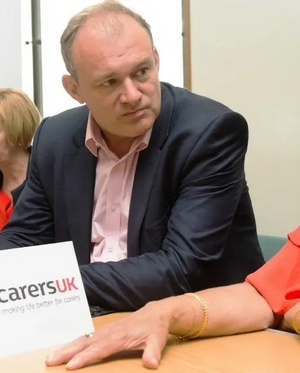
column 156, row 58
column 71, row 86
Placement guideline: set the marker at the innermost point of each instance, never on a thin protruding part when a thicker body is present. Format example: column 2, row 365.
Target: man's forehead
column 105, row 27
column 113, row 52
column 102, row 46
column 106, row 72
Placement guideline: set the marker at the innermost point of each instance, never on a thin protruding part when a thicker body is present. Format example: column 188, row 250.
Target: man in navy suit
column 146, row 179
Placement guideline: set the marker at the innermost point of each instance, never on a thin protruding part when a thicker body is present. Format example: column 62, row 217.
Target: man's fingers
column 66, row 353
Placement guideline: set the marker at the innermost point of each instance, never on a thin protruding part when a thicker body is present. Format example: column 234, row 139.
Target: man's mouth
column 135, row 113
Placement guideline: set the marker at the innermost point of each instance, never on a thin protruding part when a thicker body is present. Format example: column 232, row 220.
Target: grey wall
column 10, row 44
column 246, row 54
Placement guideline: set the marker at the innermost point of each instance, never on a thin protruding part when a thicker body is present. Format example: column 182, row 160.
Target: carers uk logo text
column 37, row 290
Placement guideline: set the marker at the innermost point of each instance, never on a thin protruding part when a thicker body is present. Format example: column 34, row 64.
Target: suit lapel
column 145, row 172
column 80, row 170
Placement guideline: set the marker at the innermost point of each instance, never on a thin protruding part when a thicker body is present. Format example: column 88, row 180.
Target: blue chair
column 270, row 245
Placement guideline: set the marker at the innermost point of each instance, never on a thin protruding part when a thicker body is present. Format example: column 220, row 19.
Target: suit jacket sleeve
column 32, row 219
column 210, row 189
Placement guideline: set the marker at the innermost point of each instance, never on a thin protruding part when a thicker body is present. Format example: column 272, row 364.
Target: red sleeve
column 278, row 281
column 5, row 208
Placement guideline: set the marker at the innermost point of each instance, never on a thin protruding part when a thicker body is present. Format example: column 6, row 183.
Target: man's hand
column 146, row 329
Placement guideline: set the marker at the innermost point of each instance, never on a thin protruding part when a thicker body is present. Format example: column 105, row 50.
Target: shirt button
column 110, row 249
column 113, row 208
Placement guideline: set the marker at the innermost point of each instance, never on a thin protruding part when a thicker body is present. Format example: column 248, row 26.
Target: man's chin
column 140, row 127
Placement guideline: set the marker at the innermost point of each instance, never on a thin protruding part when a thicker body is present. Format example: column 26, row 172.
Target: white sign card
column 42, row 298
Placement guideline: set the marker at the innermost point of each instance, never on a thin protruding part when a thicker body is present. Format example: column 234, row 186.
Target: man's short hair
column 81, row 18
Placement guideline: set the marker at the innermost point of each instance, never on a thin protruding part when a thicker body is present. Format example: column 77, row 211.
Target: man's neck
column 117, row 144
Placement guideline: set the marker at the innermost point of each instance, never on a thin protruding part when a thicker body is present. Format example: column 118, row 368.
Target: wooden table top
column 260, row 352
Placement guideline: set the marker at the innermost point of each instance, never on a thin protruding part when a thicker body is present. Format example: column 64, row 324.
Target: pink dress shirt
column 112, row 194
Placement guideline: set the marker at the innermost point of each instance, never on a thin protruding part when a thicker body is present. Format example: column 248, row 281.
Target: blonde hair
column 20, row 117
column 81, row 18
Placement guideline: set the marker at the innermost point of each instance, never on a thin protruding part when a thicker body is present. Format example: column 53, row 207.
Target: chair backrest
column 270, row 245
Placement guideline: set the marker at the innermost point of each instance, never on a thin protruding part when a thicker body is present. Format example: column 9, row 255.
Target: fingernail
column 155, row 363
column 50, row 357
column 72, row 363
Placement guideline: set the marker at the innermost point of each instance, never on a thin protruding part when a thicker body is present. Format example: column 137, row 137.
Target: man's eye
column 109, row 83
column 143, row 71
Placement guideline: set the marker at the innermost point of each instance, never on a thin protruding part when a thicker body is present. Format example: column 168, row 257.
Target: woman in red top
column 270, row 297
column 19, row 118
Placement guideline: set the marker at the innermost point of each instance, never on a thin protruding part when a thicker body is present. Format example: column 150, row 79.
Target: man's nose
column 131, row 94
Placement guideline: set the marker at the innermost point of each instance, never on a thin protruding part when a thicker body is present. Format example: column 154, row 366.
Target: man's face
column 117, row 77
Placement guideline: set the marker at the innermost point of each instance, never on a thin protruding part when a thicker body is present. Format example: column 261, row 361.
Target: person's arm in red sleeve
column 278, row 281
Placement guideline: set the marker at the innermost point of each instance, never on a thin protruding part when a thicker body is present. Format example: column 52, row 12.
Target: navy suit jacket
column 191, row 223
